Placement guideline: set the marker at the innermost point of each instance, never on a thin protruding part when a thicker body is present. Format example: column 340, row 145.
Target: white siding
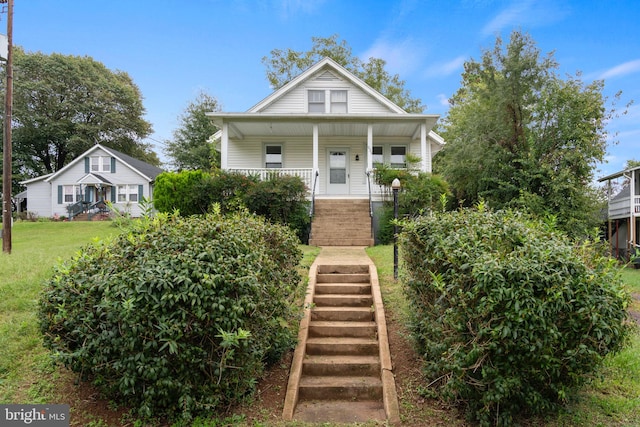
column 295, row 101
column 39, row 198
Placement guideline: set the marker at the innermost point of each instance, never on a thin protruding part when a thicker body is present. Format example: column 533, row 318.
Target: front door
column 338, row 171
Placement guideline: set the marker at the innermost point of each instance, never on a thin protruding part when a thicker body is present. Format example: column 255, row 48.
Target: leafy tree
column 518, row 134
column 283, row 65
column 191, row 147
column 64, row 104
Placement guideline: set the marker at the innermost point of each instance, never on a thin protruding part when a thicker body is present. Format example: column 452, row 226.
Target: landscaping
column 27, row 374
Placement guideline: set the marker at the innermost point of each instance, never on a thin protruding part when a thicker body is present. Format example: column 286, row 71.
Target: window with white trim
column 127, row 193
column 398, row 157
column 316, row 101
column 71, row 193
column 338, row 101
column 273, row 156
column 100, row 164
column 377, row 154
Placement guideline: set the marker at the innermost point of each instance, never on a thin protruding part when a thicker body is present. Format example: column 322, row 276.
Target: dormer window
column 327, row 101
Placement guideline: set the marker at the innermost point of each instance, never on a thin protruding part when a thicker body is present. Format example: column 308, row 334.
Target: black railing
column 312, row 209
column 75, row 209
column 373, row 231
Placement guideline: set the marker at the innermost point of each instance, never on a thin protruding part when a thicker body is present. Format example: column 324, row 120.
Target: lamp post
column 395, row 186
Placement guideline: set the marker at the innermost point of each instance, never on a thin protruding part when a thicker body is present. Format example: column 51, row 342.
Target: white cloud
column 443, row 99
column 289, row 8
column 529, row 13
column 622, row 69
column 402, row 57
column 446, row 68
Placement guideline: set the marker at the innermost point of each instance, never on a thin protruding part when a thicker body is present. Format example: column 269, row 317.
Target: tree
column 519, row 135
column 191, row 147
column 283, row 65
column 64, row 104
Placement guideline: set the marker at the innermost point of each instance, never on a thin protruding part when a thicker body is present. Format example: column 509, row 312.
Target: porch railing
column 312, row 208
column 75, row 209
column 264, row 173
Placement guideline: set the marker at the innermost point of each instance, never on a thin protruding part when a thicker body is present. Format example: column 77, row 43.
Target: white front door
column 337, row 171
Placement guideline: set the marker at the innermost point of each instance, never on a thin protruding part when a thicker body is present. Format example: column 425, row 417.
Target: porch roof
column 301, row 124
column 93, row 178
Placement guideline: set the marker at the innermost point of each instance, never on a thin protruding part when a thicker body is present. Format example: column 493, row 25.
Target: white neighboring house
column 330, row 128
column 98, row 175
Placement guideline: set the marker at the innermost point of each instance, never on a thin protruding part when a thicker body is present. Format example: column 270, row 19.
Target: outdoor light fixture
column 395, row 186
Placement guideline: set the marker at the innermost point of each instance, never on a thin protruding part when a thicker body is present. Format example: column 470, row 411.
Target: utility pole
column 6, row 146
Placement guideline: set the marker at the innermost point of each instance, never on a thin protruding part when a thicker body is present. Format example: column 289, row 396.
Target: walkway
column 327, row 406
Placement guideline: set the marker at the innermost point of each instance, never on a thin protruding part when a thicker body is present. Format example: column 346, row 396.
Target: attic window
column 338, row 101
column 316, row 101
column 100, row 164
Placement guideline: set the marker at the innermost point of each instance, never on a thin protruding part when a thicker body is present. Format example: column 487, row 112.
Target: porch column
column 424, row 156
column 369, row 147
column 224, row 146
column 315, row 149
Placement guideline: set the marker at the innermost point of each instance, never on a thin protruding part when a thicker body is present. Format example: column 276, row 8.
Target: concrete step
column 323, row 328
column 357, row 314
column 340, row 411
column 343, row 278
column 331, row 388
column 343, row 300
column 341, row 242
column 343, row 269
column 341, row 365
column 343, row 288
column 333, row 346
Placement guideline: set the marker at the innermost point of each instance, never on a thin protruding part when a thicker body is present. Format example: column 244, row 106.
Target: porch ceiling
column 301, row 125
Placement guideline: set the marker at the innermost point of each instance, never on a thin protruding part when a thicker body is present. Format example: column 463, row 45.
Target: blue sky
column 174, row 49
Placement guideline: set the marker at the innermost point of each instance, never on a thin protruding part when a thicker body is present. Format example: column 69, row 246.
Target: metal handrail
column 75, row 208
column 370, row 194
column 312, row 209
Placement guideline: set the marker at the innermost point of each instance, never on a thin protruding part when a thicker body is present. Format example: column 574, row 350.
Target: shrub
column 181, row 191
column 509, row 315
column 282, row 199
column 178, row 315
column 419, row 194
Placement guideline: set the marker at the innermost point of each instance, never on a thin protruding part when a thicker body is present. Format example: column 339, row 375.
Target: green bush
column 509, row 315
column 282, row 199
column 181, row 191
column 178, row 315
column 419, row 194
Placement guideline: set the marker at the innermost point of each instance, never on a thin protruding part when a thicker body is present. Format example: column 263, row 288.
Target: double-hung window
column 69, row 191
column 273, row 156
column 338, row 101
column 127, row 193
column 398, row 157
column 377, row 154
column 100, row 164
column 316, row 101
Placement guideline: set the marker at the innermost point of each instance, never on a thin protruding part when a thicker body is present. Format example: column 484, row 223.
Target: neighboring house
column 329, row 128
column 623, row 213
column 98, row 175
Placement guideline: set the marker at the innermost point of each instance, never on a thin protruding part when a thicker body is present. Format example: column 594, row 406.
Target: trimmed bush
column 181, row 191
column 509, row 315
column 179, row 315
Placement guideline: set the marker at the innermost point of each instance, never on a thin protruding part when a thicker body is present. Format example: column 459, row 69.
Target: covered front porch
column 334, row 154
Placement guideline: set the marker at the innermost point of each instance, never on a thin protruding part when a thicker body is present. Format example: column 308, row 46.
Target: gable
column 327, row 76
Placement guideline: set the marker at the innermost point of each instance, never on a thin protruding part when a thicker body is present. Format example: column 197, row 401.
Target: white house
column 330, row 128
column 98, row 175
column 623, row 213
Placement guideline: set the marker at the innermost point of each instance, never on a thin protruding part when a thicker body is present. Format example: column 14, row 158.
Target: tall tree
column 64, row 104
column 283, row 65
column 190, row 148
column 517, row 134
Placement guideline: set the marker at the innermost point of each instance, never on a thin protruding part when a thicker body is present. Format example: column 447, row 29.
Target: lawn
column 26, row 374
column 36, row 247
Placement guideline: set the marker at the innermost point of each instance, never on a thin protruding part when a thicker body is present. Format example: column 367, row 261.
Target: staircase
column 341, row 222
column 342, row 369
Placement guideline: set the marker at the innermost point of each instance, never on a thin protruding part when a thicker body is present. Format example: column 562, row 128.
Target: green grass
column 613, row 400
column 36, row 247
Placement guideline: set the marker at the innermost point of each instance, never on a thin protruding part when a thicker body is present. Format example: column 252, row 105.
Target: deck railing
column 264, row 173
